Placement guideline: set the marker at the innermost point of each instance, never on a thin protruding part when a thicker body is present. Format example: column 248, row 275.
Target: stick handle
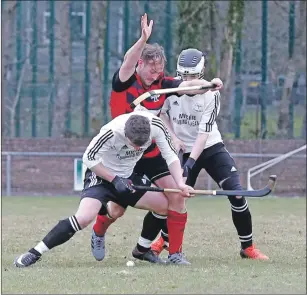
column 170, row 190
column 148, row 94
column 195, row 192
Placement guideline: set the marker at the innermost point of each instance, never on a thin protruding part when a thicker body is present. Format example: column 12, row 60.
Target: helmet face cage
column 186, row 74
column 191, row 63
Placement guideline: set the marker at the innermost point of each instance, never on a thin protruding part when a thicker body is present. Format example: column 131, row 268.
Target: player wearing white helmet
column 191, row 119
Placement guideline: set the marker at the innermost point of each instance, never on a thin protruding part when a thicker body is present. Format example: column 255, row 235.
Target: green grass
column 211, row 244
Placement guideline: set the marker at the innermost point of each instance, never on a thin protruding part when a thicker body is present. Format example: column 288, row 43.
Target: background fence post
column 86, row 69
column 106, row 67
column 146, row 7
column 290, row 50
column 264, row 68
column 51, row 66
column 8, row 175
column 34, row 65
column 71, row 28
column 238, row 88
column 126, row 26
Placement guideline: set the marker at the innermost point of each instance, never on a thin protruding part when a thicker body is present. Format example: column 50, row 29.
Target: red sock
column 176, row 224
column 101, row 225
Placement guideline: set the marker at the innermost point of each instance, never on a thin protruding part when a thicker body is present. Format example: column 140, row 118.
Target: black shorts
column 154, row 168
column 104, row 191
column 217, row 162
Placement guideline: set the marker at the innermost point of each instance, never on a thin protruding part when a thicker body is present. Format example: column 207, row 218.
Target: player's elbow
column 85, row 159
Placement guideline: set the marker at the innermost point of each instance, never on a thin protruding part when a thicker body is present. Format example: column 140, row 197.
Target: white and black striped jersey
column 111, row 148
column 190, row 115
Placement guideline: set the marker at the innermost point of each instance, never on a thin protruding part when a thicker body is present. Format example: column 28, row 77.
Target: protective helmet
column 191, row 62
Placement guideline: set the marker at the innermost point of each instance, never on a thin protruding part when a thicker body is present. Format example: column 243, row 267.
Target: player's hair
column 153, row 52
column 137, row 129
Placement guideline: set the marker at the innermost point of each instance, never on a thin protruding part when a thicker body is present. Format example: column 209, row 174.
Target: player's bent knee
column 156, row 202
column 238, row 202
column 160, row 205
column 84, row 221
column 115, row 211
column 232, row 183
column 87, row 211
column 175, row 200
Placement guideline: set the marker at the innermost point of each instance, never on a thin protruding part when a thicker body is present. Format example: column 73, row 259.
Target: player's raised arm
column 134, row 53
column 196, row 82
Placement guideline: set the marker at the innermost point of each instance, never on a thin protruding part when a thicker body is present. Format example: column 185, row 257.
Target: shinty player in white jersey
column 191, row 120
column 110, row 159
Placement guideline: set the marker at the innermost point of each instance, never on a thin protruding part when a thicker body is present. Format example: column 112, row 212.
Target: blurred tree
column 295, row 64
column 233, row 27
column 198, row 26
column 62, row 67
column 189, row 24
column 95, row 65
column 8, row 19
column 211, row 45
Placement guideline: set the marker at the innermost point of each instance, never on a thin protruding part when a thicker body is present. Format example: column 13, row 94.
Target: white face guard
column 193, row 72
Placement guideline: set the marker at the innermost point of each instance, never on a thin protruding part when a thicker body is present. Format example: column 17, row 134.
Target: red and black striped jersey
column 124, row 93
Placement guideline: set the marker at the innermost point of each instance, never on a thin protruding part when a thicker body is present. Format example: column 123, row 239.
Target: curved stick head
column 139, row 99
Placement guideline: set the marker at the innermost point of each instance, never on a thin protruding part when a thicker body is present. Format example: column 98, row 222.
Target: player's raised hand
column 218, row 82
column 146, row 29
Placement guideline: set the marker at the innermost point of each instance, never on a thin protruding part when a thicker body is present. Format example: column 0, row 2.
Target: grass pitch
column 211, row 244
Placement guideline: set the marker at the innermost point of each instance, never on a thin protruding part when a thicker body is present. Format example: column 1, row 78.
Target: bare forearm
column 199, row 145
column 176, row 172
column 130, row 60
column 195, row 82
column 134, row 53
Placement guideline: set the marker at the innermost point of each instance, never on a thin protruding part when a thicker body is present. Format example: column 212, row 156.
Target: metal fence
column 62, row 54
column 52, row 173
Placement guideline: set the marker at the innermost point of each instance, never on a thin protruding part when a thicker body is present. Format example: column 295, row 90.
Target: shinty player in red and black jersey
column 141, row 71
column 124, row 93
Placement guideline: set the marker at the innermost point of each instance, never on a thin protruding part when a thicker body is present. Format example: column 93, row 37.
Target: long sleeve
column 209, row 116
column 99, row 144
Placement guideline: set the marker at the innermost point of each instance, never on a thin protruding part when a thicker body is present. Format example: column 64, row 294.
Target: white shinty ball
column 130, row 263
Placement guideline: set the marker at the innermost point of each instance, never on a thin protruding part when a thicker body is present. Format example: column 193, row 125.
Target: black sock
column 164, row 231
column 152, row 225
column 62, row 232
column 242, row 220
